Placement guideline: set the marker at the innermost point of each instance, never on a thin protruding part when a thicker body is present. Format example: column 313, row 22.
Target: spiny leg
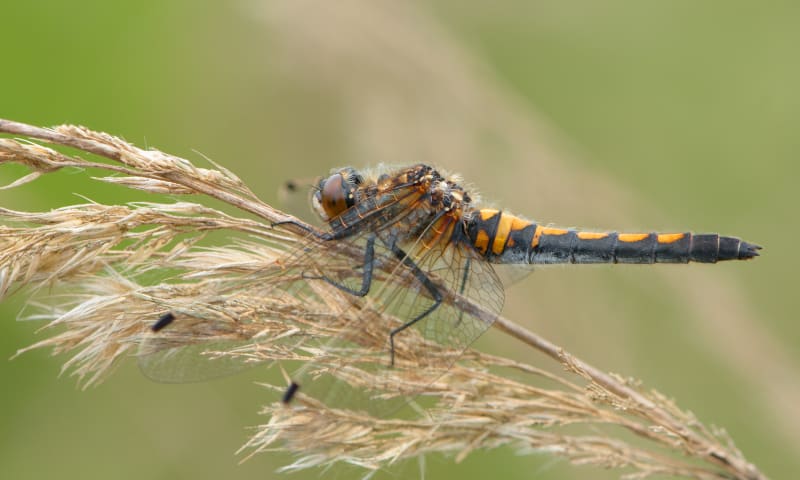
column 305, row 228
column 463, row 287
column 366, row 277
column 427, row 283
column 366, row 282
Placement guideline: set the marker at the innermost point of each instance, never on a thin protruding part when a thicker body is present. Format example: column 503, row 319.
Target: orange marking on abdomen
column 536, row 235
column 632, row 237
column 481, row 241
column 487, row 213
column 592, row 235
column 554, row 231
column 501, row 234
column 670, row 237
column 516, row 225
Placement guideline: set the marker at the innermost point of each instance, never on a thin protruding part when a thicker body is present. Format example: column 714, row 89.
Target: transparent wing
column 236, row 330
column 370, row 348
column 199, row 362
column 254, row 314
column 368, row 368
column 510, row 274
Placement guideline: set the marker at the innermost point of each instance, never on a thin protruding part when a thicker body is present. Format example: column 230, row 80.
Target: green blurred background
column 620, row 114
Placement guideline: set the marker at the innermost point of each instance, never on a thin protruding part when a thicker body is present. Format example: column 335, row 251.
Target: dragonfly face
column 336, row 193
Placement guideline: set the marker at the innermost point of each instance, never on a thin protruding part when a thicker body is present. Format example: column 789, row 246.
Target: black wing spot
column 290, row 392
column 163, row 321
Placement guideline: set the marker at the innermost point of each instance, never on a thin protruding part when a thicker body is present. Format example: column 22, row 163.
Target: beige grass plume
column 101, row 274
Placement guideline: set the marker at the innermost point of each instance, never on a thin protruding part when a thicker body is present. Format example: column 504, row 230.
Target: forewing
column 193, row 349
column 252, row 315
column 358, row 370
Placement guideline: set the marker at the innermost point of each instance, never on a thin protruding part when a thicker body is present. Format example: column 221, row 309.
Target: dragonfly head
column 336, row 193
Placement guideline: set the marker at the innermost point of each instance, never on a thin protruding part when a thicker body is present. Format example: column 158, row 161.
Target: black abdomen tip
column 748, row 250
column 731, row 248
column 712, row 248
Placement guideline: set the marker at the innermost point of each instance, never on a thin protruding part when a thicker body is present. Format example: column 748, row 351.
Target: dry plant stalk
column 110, row 270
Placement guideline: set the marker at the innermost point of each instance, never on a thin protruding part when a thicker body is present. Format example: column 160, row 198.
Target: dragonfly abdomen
column 504, row 238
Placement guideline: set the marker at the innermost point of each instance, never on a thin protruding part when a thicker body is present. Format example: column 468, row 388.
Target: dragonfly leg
column 366, row 278
column 366, row 282
column 463, row 287
column 428, row 284
column 305, row 228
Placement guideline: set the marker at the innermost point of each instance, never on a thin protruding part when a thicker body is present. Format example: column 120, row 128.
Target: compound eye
column 333, row 195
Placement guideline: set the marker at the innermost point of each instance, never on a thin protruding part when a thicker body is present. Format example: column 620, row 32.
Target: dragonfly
column 435, row 241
